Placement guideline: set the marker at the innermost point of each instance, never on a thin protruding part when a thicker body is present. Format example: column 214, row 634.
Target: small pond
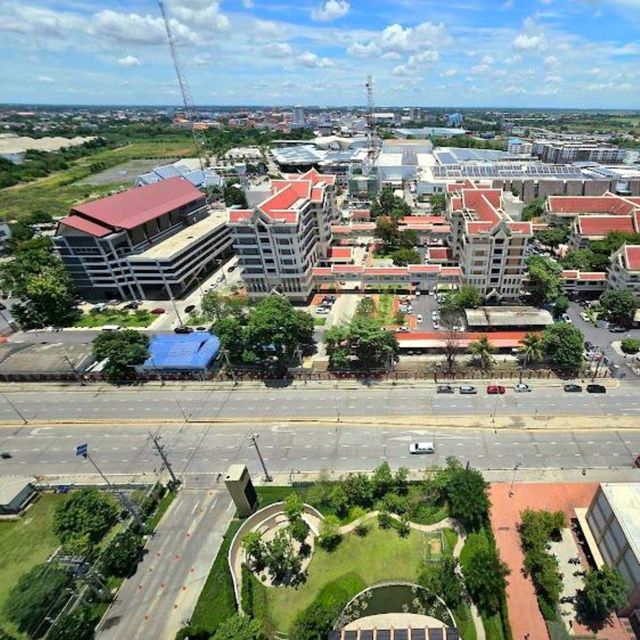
column 395, row 598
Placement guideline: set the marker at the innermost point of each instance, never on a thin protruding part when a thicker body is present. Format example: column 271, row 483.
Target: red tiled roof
column 451, row 271
column 569, row 274
column 239, row 215
column 440, row 253
column 385, row 271
column 497, row 338
column 360, row 214
column 521, row 227
column 596, row 226
column 347, row 268
column 423, row 220
column 339, row 253
column 607, row 203
column 82, row 224
column 573, row 274
column 423, row 268
column 136, row 206
column 632, row 256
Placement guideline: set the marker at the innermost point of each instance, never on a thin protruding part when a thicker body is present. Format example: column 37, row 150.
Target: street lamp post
column 254, row 441
column 513, row 479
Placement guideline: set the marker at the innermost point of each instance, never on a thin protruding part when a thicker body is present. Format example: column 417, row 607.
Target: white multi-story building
column 486, row 242
column 297, row 117
column 624, row 270
column 279, row 242
column 151, row 242
column 558, row 152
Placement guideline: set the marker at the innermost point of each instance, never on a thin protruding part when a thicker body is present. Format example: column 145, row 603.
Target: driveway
column 161, row 596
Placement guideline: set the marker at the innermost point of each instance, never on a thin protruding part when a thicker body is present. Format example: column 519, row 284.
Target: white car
column 422, row 447
column 435, row 324
column 419, row 318
column 522, row 387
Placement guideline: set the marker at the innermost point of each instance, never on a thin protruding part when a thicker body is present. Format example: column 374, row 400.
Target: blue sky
column 509, row 53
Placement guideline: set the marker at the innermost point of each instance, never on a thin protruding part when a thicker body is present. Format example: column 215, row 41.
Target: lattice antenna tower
column 187, row 100
column 372, row 142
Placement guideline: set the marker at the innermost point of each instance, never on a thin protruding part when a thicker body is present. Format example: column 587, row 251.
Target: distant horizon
column 491, row 54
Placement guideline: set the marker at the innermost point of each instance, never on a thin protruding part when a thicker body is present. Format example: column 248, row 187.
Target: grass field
column 25, row 543
column 138, row 318
column 55, row 194
column 369, row 558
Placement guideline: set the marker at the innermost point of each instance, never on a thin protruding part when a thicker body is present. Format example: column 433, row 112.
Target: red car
column 158, row 311
column 495, row 388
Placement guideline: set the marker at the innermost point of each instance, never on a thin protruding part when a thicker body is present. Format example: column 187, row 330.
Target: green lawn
column 26, row 542
column 381, row 555
column 137, row 318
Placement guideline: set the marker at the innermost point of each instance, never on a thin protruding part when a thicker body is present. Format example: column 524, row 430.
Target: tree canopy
column 87, row 512
column 239, row 627
column 438, row 202
column 403, row 257
column 124, row 350
column 78, row 624
column 122, row 555
column 40, row 282
column 481, row 351
column 544, row 280
column 467, row 493
column 553, row 236
column 605, row 591
column 563, row 345
column 620, row 306
column 485, row 578
column 388, row 204
column 534, row 209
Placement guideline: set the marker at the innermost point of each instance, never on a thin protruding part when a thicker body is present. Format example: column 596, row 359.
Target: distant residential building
column 487, row 243
column 565, row 209
column 587, row 228
column 519, row 146
column 559, row 152
column 279, row 241
column 624, row 270
column 297, row 117
column 196, row 176
column 455, row 120
column 151, row 242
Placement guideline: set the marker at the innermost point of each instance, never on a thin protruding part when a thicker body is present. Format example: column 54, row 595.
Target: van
column 422, row 447
column 111, row 327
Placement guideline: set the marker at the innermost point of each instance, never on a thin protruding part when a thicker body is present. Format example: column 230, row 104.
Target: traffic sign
column 82, row 450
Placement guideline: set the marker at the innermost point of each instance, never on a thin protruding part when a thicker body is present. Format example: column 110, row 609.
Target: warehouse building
column 179, row 353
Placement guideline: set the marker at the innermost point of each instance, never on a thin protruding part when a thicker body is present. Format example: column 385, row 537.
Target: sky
column 465, row 53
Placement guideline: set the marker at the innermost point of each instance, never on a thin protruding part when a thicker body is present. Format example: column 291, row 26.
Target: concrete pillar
column 240, row 487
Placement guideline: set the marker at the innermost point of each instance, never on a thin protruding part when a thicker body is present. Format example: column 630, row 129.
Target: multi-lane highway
column 208, row 449
column 172, row 403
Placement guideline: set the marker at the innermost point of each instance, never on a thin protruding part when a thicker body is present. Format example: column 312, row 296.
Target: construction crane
column 372, row 142
column 187, row 100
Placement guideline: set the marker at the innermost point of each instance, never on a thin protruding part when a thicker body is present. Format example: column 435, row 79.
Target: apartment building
column 565, row 209
column 486, row 242
column 280, row 240
column 560, row 152
column 151, row 242
column 624, row 270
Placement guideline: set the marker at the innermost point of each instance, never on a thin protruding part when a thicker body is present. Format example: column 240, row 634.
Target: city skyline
column 535, row 54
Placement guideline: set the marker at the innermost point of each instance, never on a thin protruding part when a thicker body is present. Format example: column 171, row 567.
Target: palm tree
column 531, row 350
column 481, row 350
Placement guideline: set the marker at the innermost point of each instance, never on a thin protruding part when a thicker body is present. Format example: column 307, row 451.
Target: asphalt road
column 313, row 402
column 202, row 451
column 157, row 600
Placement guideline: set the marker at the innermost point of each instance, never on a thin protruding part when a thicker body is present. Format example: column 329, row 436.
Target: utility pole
column 13, row 406
column 82, row 451
column 231, row 371
column 513, row 479
column 254, row 440
column 75, row 371
column 160, row 449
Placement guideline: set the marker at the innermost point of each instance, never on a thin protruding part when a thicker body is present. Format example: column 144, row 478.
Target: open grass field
column 56, row 193
column 137, row 318
column 25, row 543
column 381, row 555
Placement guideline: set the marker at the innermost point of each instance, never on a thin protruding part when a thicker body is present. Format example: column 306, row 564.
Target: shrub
column 329, row 533
column 87, row 512
column 246, row 593
column 630, row 345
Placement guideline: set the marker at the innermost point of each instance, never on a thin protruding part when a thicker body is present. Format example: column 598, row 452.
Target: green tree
column 605, row 591
column 620, row 306
column 212, row 306
column 481, row 350
column 438, row 202
column 340, row 501
column 239, row 627
column 563, row 345
column 543, row 284
column 387, row 231
column 41, row 284
column 254, row 547
column 315, row 622
column 630, row 345
column 87, row 512
column 382, row 480
column 280, row 559
column 123, row 554
column 329, row 533
column 234, row 196
column 403, row 257
column 534, row 209
column 531, row 349
column 408, row 239
column 485, row 578
column 467, row 493
column 442, row 579
column 123, row 350
column 36, row 595
column 233, row 337
column 78, row 624
column 299, row 530
column 293, row 507
column 553, row 236
column 580, row 259
column 467, row 297
column 560, row 306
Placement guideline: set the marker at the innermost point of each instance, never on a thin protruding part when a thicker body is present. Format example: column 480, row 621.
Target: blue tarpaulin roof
column 191, row 351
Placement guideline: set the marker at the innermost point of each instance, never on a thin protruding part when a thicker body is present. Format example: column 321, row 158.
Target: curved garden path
column 271, row 513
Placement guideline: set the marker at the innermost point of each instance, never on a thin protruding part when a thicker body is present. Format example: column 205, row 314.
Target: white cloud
column 395, row 37
column 46, row 79
column 277, row 50
column 516, row 59
column 416, row 62
column 26, row 19
column 247, row 4
column 551, row 61
column 553, row 79
column 204, row 14
column 331, row 10
column 129, row 61
column 526, row 42
column 449, row 73
column 308, row 59
column 202, row 60
column 359, row 50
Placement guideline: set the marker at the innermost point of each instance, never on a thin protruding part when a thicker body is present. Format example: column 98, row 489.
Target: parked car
column 435, row 324
column 134, row 304
column 613, row 328
column 596, row 388
column 422, row 447
column 521, row 386
column 189, row 308
column 467, row 389
column 183, row 329
column 158, row 311
column 589, row 346
column 493, row 389
column 111, row 327
column 419, row 318
column 637, row 462
column 201, row 329
column 5, row 455
column 566, row 318
column 572, row 388
column 444, row 388
column 233, row 267
column 584, row 316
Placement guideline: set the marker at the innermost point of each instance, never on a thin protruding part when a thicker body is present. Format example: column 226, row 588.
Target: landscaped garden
column 120, row 317
column 312, row 548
